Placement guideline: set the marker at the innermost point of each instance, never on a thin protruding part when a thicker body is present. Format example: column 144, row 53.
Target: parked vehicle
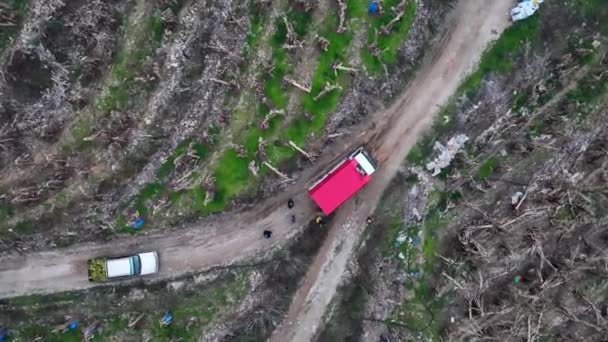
column 101, row 269
column 343, row 181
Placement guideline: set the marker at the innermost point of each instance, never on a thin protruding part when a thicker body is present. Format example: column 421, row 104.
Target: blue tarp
column 373, row 8
column 3, row 334
column 167, row 318
column 139, row 222
column 73, row 325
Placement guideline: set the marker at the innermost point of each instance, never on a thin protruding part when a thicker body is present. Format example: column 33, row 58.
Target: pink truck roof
column 338, row 186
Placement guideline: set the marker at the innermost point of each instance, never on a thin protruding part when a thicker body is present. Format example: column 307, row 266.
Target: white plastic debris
column 401, row 238
column 516, row 197
column 416, row 214
column 401, row 256
column 446, row 153
column 525, row 9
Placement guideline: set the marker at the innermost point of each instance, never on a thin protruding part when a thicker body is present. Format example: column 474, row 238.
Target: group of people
column 318, row 220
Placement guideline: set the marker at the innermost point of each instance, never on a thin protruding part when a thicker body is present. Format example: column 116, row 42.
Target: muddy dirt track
column 470, row 27
column 235, row 236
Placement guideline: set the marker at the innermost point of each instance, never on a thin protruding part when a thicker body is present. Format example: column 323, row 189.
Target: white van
column 101, row 269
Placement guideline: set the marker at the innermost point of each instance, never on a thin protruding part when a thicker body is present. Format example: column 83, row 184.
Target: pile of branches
column 539, row 271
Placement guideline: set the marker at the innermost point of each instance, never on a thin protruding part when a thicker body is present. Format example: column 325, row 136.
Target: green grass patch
column 597, row 9
column 19, row 9
column 498, row 58
column 6, row 212
column 420, row 312
column 160, row 188
column 231, row 176
column 203, row 308
column 501, row 55
column 280, row 60
column 487, row 169
column 193, row 311
column 588, row 92
column 143, row 39
column 256, row 25
column 412, row 179
column 388, row 44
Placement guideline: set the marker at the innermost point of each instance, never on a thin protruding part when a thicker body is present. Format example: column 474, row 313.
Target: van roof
column 340, row 185
column 119, row 267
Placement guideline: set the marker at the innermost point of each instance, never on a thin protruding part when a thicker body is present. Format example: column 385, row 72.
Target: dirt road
column 470, row 27
column 231, row 237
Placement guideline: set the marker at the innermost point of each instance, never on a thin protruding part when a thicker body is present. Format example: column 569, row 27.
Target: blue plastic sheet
column 138, row 223
column 373, row 8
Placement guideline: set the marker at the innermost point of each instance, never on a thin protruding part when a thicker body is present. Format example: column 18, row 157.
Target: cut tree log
column 215, row 80
column 271, row 114
column 323, row 43
column 220, row 48
column 339, row 66
column 253, row 168
column 298, row 85
column 291, row 40
column 309, row 156
column 326, row 90
column 399, row 11
column 342, row 14
column 133, row 322
column 277, row 172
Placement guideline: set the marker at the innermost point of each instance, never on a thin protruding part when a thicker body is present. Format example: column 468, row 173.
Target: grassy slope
column 191, row 314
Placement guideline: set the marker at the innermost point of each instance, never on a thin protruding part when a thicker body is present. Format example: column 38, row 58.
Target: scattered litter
column 452, row 319
column 319, row 220
column 73, row 325
column 167, row 319
column 525, row 9
column 69, row 325
column 139, row 222
column 89, row 332
column 133, row 219
column 516, row 197
column 401, row 256
column 290, row 203
column 373, row 7
column 3, row 334
column 403, row 238
column 446, row 153
column 267, row 234
column 134, row 321
column 293, row 218
column 596, row 44
column 416, row 214
column 517, row 279
column 415, row 275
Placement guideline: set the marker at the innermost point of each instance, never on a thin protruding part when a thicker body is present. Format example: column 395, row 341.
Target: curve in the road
column 469, row 28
